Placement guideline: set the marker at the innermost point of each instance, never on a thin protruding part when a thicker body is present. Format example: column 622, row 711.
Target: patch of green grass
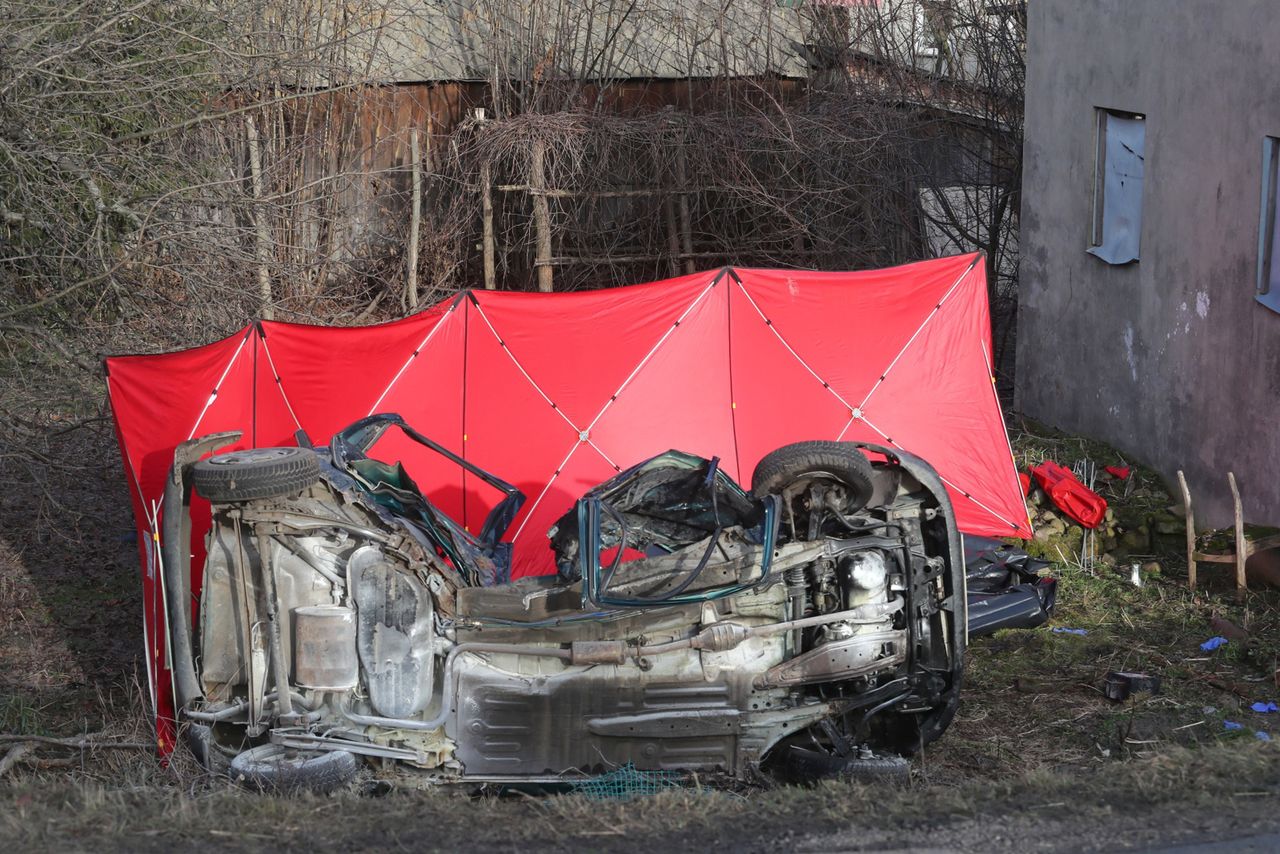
column 1043, row 690
column 20, row 716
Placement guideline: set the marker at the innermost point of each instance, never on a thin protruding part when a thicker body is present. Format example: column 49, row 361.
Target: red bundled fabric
column 1070, row 495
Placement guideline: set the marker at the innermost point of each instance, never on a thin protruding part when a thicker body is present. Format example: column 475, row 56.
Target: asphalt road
column 1243, row 825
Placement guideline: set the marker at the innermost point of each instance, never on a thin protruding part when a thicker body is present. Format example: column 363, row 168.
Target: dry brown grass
column 139, row 805
column 1033, row 729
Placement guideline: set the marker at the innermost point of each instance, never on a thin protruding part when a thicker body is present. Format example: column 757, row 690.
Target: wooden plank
column 1242, row 545
column 1264, row 543
column 582, row 194
column 561, row 260
column 1209, row 557
column 1191, row 531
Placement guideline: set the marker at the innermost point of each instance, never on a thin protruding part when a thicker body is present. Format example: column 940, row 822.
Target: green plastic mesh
column 627, row 782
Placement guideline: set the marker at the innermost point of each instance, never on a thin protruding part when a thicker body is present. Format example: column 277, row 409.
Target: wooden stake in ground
column 415, row 223
column 486, row 209
column 1191, row 531
column 262, row 233
column 1242, row 545
column 673, row 236
column 541, row 216
column 686, row 228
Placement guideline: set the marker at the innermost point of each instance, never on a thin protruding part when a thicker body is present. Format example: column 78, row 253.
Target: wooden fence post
column 673, row 236
column 1242, row 544
column 262, row 232
column 415, row 222
column 541, row 216
column 1191, row 530
column 486, row 209
column 686, row 227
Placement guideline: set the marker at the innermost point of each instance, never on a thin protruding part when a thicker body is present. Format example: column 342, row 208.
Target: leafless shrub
column 958, row 68
column 813, row 183
column 198, row 166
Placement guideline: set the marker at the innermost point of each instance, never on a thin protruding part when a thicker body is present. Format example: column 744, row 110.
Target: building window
column 1117, row 186
column 1268, row 237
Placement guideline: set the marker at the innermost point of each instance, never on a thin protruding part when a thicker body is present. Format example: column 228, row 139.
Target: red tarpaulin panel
column 161, row 401
column 557, row 392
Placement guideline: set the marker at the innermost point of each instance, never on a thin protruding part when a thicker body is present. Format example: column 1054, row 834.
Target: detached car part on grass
column 815, row 624
column 1007, row 588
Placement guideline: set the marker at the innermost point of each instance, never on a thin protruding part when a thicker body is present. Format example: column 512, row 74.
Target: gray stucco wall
column 1170, row 359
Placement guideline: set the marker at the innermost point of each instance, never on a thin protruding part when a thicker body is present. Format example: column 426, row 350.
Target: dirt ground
column 1037, row 759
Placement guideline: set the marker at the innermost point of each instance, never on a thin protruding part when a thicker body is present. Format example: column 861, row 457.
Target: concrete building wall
column 1170, row 358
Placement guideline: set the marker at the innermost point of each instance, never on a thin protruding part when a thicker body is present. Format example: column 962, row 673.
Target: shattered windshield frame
column 483, row 559
column 675, row 509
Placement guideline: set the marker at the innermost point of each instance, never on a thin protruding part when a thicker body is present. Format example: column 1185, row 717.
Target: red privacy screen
column 557, row 392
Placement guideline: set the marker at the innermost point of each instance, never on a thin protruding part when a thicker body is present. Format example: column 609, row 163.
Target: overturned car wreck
column 815, row 622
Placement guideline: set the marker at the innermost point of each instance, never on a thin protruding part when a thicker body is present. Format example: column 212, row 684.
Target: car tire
column 840, row 460
column 255, row 473
column 284, row 770
column 801, row 765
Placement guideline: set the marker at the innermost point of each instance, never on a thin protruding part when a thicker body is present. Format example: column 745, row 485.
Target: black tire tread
column 880, row 770
column 805, row 766
column 842, row 459
column 269, row 768
column 246, row 481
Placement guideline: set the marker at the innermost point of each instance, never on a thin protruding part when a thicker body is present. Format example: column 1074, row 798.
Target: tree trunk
column 262, row 233
column 541, row 217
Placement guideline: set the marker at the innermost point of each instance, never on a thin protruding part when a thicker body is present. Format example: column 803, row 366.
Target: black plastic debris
column 1120, row 685
column 800, row 765
column 1005, row 588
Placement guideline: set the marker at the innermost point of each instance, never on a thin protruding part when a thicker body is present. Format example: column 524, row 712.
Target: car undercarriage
column 813, row 624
